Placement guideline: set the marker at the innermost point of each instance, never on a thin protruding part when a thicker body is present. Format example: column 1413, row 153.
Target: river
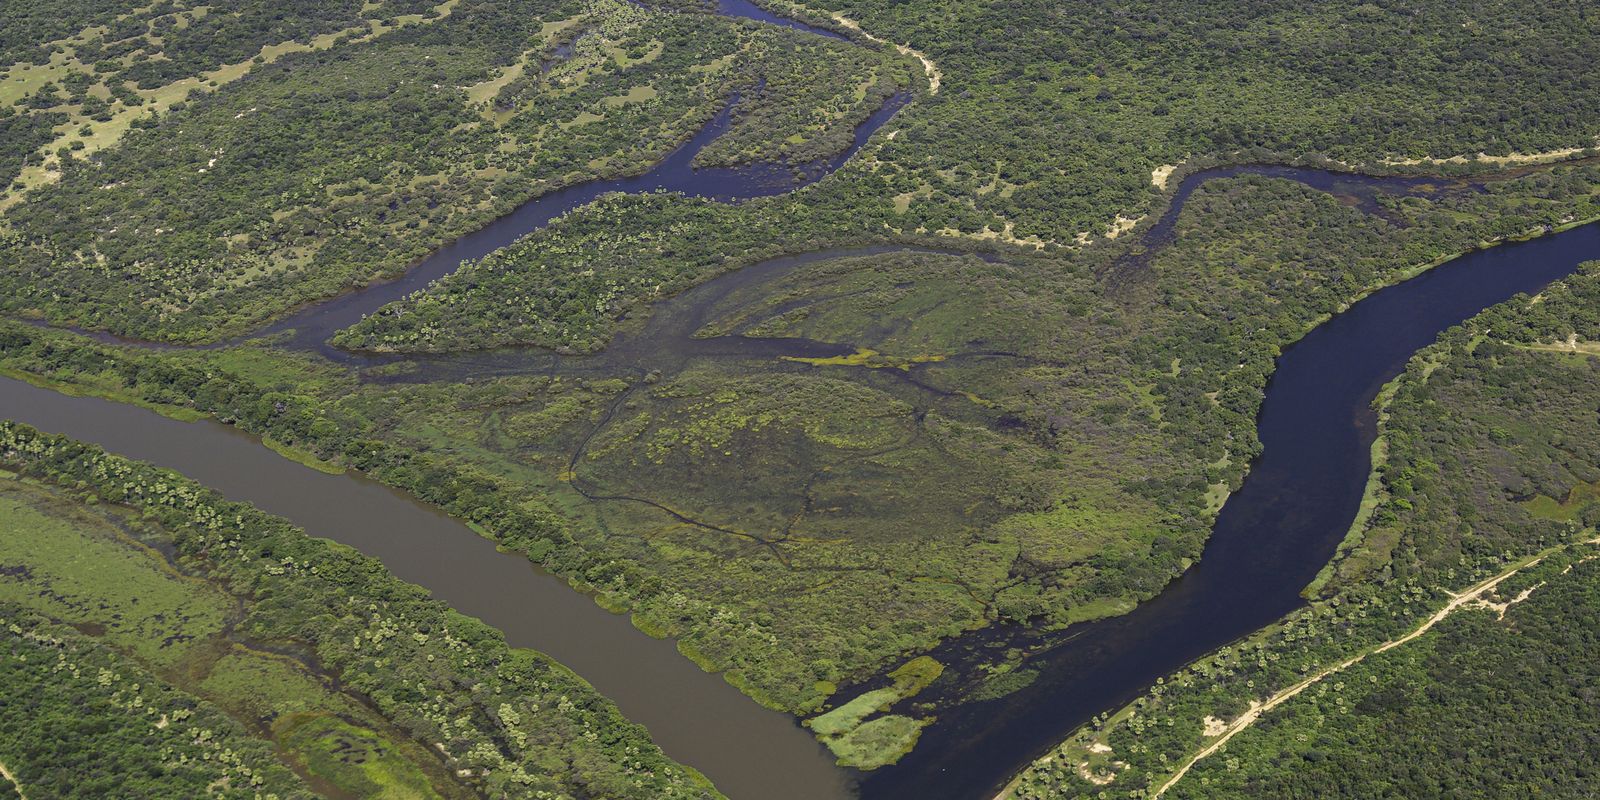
column 1271, row 538
column 1316, row 427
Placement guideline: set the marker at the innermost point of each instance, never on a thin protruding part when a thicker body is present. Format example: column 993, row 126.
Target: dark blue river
column 675, row 173
column 1271, row 539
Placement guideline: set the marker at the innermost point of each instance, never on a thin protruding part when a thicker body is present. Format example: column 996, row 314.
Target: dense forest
column 359, row 681
column 1046, row 137
column 1489, row 456
column 166, row 40
column 84, row 721
column 1067, row 108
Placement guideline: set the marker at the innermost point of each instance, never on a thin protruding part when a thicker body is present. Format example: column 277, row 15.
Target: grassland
column 88, row 722
column 1037, row 440
column 949, row 444
column 109, row 66
column 1051, row 139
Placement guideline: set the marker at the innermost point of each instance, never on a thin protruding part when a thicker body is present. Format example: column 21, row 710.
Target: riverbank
column 17, row 787
column 1284, row 506
column 647, row 358
column 1470, row 598
column 1316, row 638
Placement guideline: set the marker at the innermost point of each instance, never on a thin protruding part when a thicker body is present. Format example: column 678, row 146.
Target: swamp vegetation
column 784, row 509
column 1020, row 397
column 1487, row 458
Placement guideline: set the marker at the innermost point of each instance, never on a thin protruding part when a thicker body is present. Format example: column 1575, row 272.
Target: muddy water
column 697, row 718
column 676, row 173
column 1272, row 536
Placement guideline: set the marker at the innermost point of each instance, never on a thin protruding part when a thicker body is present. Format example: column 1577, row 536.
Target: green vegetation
column 871, row 743
column 335, row 164
column 1483, row 430
column 354, row 759
column 1050, row 136
column 1053, row 118
column 824, row 471
column 1506, row 693
column 73, row 575
column 313, row 652
column 1046, row 444
column 819, row 112
column 82, row 73
column 565, row 286
column 83, row 721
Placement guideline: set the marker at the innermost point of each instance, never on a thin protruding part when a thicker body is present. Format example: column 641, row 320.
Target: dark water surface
column 1270, row 540
column 676, row 173
column 1272, row 537
column 696, row 717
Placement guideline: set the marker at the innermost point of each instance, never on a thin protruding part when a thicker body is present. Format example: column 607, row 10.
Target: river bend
column 1316, row 427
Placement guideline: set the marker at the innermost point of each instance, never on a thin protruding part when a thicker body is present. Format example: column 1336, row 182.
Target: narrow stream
column 696, row 717
column 1271, row 538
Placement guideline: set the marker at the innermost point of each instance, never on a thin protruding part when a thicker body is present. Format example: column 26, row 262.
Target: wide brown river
column 1272, row 537
column 697, row 718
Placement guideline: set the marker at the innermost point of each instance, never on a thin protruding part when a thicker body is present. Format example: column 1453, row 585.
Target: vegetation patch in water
column 881, row 740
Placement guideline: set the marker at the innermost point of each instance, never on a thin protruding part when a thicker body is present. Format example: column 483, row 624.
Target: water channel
column 1272, row 537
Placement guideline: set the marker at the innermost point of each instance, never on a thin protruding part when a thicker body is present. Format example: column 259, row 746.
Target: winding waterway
column 1272, row 537
column 1316, row 428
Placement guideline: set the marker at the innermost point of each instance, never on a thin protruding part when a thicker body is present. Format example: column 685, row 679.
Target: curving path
column 6, row 773
column 1271, row 538
column 1468, row 598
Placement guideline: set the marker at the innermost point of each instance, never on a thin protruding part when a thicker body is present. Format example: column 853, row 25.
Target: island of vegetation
column 1010, row 385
